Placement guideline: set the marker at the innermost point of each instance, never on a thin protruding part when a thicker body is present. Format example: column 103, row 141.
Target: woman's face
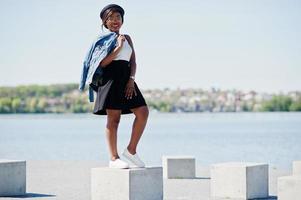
column 114, row 22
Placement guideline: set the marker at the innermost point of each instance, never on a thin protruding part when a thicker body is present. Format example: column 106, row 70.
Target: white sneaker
column 134, row 159
column 117, row 163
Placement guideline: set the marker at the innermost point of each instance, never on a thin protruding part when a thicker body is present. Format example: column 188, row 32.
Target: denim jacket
column 100, row 48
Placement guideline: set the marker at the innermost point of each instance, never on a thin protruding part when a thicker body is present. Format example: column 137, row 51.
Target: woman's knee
column 113, row 123
column 113, row 119
column 142, row 113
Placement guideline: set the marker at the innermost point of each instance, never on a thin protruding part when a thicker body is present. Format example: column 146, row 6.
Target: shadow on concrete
column 31, row 195
column 202, row 177
column 268, row 198
column 205, row 178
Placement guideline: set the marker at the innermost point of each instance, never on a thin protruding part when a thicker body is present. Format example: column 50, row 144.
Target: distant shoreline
column 159, row 112
column 66, row 98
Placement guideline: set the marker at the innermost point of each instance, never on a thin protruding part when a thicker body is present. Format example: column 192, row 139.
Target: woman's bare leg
column 141, row 116
column 113, row 119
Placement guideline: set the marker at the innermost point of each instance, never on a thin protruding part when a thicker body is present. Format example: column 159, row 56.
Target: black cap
column 119, row 8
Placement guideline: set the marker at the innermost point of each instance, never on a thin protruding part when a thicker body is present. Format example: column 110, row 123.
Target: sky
column 233, row 44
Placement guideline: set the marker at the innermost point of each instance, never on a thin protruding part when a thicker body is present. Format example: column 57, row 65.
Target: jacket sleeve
column 98, row 50
column 101, row 53
column 85, row 67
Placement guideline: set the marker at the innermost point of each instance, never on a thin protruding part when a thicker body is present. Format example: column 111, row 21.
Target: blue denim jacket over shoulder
column 100, row 48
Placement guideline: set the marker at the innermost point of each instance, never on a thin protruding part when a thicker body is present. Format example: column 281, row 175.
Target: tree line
column 66, row 98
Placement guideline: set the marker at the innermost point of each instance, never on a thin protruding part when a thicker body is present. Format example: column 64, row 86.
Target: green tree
column 33, row 102
column 296, row 105
column 16, row 105
column 41, row 105
column 5, row 105
column 277, row 103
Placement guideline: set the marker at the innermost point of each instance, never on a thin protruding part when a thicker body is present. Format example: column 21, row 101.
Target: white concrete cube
column 127, row 184
column 289, row 187
column 239, row 180
column 12, row 177
column 178, row 166
column 297, row 167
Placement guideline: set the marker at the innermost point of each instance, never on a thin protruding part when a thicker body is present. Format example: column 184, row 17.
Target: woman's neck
column 117, row 32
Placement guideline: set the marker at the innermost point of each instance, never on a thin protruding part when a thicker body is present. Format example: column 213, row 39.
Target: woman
column 123, row 95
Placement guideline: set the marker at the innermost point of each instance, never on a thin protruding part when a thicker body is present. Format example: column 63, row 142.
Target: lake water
column 273, row 138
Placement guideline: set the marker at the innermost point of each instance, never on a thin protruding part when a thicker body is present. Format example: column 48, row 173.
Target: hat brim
column 110, row 6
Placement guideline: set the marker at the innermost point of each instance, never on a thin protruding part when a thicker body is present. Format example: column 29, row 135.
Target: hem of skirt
column 123, row 111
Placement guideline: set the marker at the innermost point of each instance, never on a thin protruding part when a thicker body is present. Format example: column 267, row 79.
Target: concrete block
column 12, row 177
column 127, row 184
column 297, row 167
column 289, row 187
column 239, row 180
column 178, row 166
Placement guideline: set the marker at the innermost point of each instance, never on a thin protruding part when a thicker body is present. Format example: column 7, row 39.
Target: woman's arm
column 133, row 56
column 130, row 87
column 109, row 58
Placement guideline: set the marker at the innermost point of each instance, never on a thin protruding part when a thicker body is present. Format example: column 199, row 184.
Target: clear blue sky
column 242, row 44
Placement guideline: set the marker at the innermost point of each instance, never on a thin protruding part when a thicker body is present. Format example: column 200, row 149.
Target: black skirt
column 111, row 93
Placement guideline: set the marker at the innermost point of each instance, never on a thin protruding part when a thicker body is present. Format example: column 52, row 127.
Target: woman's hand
column 120, row 40
column 108, row 59
column 130, row 89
